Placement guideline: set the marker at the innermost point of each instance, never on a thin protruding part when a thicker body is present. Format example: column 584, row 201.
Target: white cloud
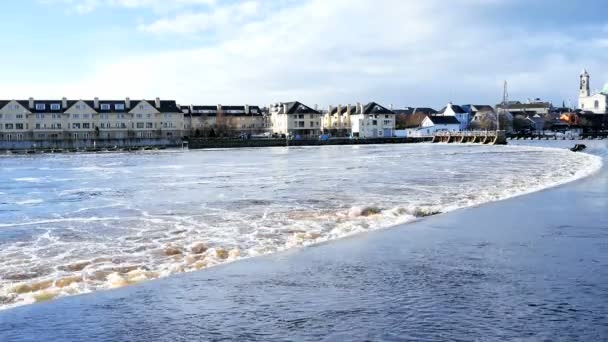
column 403, row 52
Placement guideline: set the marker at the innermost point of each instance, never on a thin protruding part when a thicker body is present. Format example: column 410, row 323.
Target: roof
column 344, row 109
column 455, row 108
column 45, row 106
column 412, row 110
column 374, row 108
column 482, row 108
column 296, row 108
column 209, row 110
column 519, row 105
column 444, row 120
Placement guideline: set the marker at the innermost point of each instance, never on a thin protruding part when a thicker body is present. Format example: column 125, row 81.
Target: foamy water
column 73, row 224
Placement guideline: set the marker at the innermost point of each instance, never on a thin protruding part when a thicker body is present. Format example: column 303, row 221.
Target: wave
column 175, row 243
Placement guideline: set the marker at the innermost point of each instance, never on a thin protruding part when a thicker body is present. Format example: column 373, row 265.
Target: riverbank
column 529, row 268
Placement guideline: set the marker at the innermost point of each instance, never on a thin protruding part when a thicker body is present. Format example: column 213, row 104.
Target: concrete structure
column 596, row 103
column 458, row 112
column 55, row 120
column 372, row 121
column 532, row 107
column 295, row 119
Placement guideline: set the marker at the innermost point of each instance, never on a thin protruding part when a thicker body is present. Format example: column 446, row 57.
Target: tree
column 521, row 123
column 403, row 121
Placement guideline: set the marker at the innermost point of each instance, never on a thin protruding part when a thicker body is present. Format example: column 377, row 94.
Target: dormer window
column 40, row 106
column 55, row 106
column 105, row 106
column 119, row 106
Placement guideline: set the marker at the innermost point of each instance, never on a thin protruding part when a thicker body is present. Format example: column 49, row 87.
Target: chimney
column 391, row 107
column 329, row 109
column 247, row 109
column 339, row 109
column 96, row 103
column 157, row 103
column 285, row 108
column 316, row 107
column 128, row 103
column 64, row 103
column 348, row 107
column 31, row 103
column 219, row 108
column 359, row 109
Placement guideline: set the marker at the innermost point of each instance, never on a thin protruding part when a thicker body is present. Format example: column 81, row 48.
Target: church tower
column 584, row 88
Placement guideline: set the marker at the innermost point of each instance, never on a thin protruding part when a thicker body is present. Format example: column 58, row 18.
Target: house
column 295, row 119
column 224, row 120
column 458, row 112
column 337, row 120
column 51, row 120
column 439, row 123
column 372, row 121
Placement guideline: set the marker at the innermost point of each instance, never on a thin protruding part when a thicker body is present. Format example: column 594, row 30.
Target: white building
column 295, row 119
column 596, row 103
column 372, row 121
column 438, row 123
column 463, row 116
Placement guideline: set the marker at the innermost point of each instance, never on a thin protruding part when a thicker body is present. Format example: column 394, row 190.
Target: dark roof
column 374, row 108
column 226, row 110
column 444, row 119
column 455, row 108
column 482, row 108
column 167, row 106
column 344, row 109
column 297, row 108
column 410, row 110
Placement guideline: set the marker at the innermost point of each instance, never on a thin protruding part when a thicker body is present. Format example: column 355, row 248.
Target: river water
column 78, row 223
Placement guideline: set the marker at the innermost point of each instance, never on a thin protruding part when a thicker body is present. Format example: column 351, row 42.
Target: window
column 597, row 104
column 387, row 122
column 18, row 116
column 374, row 122
column 40, row 106
column 123, row 125
column 386, row 116
column 58, row 126
column 37, row 126
column 140, row 125
column 41, row 135
column 19, row 126
column 86, row 125
column 76, row 116
column 120, row 116
column 312, row 124
column 75, row 126
column 301, row 116
column 85, row 116
column 139, row 116
column 55, row 106
column 167, row 115
column 149, row 125
column 39, row 116
column 300, row 123
column 103, row 125
column 312, row 116
column 8, row 126
column 148, row 115
column 105, row 106
column 119, row 106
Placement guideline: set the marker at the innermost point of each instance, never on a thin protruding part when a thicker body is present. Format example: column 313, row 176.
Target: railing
column 466, row 134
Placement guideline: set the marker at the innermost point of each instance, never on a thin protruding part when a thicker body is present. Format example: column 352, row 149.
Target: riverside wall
column 87, row 145
column 202, row 143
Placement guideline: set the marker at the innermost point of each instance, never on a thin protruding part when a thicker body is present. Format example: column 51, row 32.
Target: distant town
column 60, row 123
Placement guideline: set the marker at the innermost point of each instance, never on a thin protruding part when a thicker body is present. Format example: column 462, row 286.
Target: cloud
column 401, row 52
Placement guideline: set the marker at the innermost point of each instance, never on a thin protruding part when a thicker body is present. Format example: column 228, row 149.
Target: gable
column 143, row 107
column 13, row 107
column 79, row 107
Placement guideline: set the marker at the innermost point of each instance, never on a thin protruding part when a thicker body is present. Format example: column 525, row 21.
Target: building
column 415, row 110
column 439, row 123
column 60, row 120
column 596, row 103
column 295, row 119
column 532, row 107
column 224, row 120
column 458, row 112
column 337, row 121
column 372, row 121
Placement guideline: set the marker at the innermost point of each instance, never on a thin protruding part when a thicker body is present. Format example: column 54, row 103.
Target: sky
column 319, row 52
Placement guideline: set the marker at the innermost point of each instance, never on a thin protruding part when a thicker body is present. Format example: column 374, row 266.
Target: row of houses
column 27, row 120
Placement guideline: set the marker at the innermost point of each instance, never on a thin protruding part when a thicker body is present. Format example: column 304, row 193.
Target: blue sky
column 401, row 52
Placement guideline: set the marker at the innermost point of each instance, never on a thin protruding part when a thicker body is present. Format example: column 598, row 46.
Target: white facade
column 372, row 121
column 460, row 114
column 596, row 103
column 295, row 119
column 432, row 125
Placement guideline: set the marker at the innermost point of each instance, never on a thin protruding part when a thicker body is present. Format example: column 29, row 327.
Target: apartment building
column 295, row 119
column 44, row 120
column 224, row 120
column 372, row 121
column 337, row 120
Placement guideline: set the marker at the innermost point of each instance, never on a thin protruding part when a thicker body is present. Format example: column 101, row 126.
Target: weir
column 471, row 137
